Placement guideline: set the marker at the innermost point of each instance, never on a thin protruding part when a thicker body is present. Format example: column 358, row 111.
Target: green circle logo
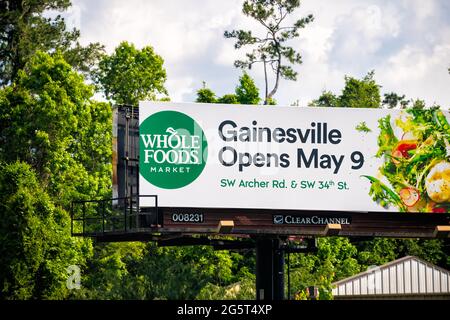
column 173, row 149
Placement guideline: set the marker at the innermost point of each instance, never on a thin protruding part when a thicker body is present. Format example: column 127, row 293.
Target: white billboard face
column 267, row 157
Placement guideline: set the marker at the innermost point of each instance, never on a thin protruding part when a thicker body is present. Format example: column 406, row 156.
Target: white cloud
column 363, row 30
column 227, row 54
column 422, row 9
column 410, row 64
column 419, row 73
column 315, row 43
column 177, row 29
column 406, row 42
column 179, row 86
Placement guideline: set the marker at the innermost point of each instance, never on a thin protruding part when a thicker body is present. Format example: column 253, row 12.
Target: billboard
column 293, row 158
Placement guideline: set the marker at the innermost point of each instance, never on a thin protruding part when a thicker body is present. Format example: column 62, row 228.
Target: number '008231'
column 187, row 217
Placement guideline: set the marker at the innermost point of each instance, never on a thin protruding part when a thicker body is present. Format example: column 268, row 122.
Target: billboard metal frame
column 125, row 220
column 252, row 221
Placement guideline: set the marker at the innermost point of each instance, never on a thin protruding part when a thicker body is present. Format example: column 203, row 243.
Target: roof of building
column 406, row 276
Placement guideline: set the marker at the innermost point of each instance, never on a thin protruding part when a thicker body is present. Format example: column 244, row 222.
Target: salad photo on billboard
column 415, row 174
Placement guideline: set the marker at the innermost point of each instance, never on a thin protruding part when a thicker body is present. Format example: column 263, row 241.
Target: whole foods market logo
column 173, row 149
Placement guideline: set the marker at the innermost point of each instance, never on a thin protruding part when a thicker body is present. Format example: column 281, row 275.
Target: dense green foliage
column 36, row 246
column 130, row 75
column 24, row 30
column 392, row 100
column 48, row 121
column 206, row 95
column 55, row 147
column 245, row 93
column 145, row 271
column 364, row 93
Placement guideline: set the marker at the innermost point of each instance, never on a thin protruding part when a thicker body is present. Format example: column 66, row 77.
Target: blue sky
column 406, row 42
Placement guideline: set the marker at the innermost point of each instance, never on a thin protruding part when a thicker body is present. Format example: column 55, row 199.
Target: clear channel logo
column 278, row 219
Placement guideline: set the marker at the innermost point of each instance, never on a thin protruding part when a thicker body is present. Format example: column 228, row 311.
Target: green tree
column 327, row 99
column 109, row 275
column 364, row 93
column 24, row 30
column 392, row 100
column 383, row 250
column 270, row 49
column 335, row 259
column 206, row 95
column 55, row 146
column 129, row 75
column 247, row 92
column 49, row 121
column 228, row 99
column 146, row 271
column 36, row 247
column 431, row 250
column 376, row 252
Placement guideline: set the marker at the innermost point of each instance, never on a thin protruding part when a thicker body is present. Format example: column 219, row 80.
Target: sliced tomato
column 406, row 145
column 409, row 196
column 402, row 150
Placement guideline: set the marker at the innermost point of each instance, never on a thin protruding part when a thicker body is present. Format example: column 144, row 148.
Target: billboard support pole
column 269, row 269
column 278, row 270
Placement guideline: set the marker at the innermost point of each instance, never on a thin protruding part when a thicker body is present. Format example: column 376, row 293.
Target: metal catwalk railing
column 115, row 215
